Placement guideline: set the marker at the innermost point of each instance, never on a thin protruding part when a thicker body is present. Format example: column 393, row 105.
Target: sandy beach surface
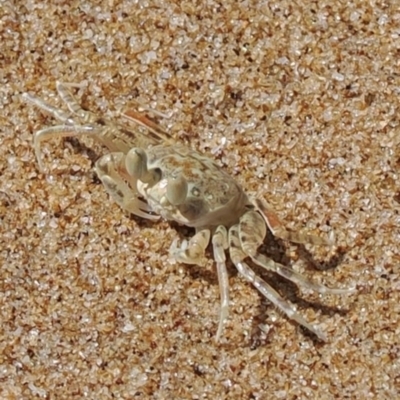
column 299, row 101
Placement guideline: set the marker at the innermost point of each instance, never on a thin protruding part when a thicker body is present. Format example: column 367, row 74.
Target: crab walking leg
column 106, row 169
column 192, row 251
column 278, row 230
column 251, row 231
column 237, row 257
column 67, row 130
column 55, row 112
column 141, row 107
column 57, row 132
column 220, row 244
column 142, row 120
column 69, row 100
column 251, row 235
column 274, row 297
column 295, row 277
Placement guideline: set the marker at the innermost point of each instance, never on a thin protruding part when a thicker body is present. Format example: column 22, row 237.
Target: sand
column 299, row 102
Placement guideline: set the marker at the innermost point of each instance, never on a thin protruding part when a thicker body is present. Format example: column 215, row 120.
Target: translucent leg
column 220, row 244
column 192, row 252
column 274, row 297
column 278, row 230
column 295, row 277
column 237, row 256
column 147, row 123
column 69, row 100
column 71, row 128
column 57, row 132
column 252, row 231
column 55, row 112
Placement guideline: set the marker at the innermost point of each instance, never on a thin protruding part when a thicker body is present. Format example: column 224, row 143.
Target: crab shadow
column 79, row 147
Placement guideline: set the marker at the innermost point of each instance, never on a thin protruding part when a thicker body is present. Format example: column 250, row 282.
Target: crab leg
column 274, row 297
column 55, row 112
column 57, row 132
column 192, row 251
column 69, row 100
column 220, row 244
column 295, row 277
column 278, row 230
column 237, row 257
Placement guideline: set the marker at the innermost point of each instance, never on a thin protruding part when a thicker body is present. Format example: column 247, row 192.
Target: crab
column 151, row 176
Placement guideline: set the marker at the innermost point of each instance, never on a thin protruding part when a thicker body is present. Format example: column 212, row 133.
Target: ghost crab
column 149, row 175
